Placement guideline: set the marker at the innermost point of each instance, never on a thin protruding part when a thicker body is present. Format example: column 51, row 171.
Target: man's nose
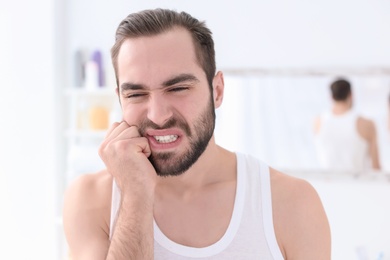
column 159, row 110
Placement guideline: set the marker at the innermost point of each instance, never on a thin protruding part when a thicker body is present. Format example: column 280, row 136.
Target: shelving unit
column 90, row 112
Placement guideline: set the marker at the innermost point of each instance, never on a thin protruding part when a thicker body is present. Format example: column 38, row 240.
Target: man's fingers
column 145, row 147
column 127, row 144
column 118, row 128
column 117, row 132
column 112, row 127
column 115, row 129
column 129, row 132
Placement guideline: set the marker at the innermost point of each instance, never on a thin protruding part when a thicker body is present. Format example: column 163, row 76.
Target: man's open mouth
column 165, row 138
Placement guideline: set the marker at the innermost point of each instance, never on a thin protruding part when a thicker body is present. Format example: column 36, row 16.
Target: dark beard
column 166, row 164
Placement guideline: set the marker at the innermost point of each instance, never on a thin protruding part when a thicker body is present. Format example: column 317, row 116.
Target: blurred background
column 57, row 98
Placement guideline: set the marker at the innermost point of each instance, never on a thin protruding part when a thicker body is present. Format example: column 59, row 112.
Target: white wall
column 260, row 34
column 27, row 132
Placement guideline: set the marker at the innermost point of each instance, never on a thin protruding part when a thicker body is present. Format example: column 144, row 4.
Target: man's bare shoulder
column 292, row 187
column 96, row 187
column 86, row 212
column 291, row 195
column 300, row 222
column 366, row 122
column 98, row 178
column 366, row 128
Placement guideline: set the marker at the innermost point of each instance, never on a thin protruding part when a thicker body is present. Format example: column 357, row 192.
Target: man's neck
column 211, row 167
column 341, row 107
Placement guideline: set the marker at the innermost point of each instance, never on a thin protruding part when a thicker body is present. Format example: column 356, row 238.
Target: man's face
column 165, row 93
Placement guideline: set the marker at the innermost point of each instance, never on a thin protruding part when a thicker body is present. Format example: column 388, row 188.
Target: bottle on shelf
column 98, row 117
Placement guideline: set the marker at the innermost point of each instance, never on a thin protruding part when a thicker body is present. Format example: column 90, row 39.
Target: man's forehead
column 176, row 39
column 161, row 56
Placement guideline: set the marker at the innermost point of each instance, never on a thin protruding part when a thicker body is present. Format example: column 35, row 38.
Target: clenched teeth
column 165, row 138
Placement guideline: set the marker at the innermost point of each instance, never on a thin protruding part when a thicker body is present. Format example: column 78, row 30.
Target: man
column 169, row 192
column 345, row 141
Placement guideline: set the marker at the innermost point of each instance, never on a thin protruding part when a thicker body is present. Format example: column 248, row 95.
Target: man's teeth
column 165, row 138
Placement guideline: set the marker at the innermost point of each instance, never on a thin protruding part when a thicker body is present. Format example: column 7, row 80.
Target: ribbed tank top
column 250, row 234
column 339, row 145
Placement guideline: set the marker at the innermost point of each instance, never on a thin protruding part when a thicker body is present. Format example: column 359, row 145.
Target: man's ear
column 218, row 88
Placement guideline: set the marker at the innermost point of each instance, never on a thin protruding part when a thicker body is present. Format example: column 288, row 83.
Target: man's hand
column 125, row 154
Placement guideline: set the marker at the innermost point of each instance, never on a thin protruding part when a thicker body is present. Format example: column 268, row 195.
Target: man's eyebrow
column 131, row 86
column 180, row 78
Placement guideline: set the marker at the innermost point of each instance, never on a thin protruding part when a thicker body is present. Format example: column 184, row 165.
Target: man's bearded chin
column 174, row 164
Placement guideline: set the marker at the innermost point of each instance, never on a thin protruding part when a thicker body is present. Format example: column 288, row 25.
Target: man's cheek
column 129, row 117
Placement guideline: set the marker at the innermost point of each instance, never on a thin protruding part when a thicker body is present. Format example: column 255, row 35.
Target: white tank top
column 250, row 234
column 339, row 145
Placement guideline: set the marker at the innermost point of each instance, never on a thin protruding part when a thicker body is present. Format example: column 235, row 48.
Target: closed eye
column 178, row 89
column 135, row 95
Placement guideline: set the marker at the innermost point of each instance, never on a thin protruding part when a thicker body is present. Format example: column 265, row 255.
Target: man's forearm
column 133, row 234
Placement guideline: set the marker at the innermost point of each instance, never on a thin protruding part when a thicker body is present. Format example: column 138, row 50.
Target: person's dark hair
column 153, row 22
column 340, row 89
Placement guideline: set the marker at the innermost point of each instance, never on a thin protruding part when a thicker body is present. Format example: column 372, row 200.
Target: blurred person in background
column 345, row 141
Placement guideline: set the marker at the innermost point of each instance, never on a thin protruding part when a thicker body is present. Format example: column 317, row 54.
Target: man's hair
column 154, row 22
column 340, row 89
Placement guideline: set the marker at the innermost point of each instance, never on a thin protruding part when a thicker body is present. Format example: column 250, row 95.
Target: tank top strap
column 115, row 203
